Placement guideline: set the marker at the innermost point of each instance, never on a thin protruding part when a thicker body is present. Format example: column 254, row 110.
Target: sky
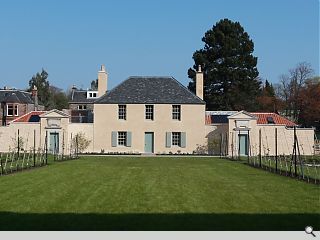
column 71, row 39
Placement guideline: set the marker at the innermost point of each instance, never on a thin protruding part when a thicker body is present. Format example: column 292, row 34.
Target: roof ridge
column 264, row 113
column 112, row 90
column 185, row 88
column 150, row 77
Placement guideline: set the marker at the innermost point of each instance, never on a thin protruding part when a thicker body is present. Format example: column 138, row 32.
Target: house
column 140, row 115
column 242, row 133
column 15, row 103
column 155, row 115
column 149, row 115
column 81, row 101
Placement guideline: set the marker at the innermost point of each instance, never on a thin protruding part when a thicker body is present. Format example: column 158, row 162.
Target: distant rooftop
column 80, row 96
column 15, row 96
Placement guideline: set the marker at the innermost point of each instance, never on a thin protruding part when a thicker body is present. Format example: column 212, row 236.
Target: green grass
column 155, row 193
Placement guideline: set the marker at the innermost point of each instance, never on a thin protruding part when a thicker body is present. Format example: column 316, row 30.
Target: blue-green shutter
column 168, row 139
column 114, row 139
column 183, row 141
column 128, row 143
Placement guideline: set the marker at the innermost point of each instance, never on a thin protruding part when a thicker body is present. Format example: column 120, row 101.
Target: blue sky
column 70, row 39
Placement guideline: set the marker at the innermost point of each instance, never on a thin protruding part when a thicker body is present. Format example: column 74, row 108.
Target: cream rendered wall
column 285, row 138
column 233, row 145
column 106, row 120
column 8, row 135
column 86, row 129
column 213, row 138
column 62, row 130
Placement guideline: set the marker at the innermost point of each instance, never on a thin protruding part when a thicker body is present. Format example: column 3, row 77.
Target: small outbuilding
column 234, row 133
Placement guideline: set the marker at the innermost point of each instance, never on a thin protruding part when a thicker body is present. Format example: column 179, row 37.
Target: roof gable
column 54, row 113
column 152, row 90
column 31, row 117
column 242, row 115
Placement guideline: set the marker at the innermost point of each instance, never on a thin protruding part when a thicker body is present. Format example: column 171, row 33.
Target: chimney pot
column 199, row 83
column 34, row 94
column 102, row 81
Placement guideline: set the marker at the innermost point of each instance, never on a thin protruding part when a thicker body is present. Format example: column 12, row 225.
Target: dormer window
column 92, row 94
column 12, row 110
column 82, row 107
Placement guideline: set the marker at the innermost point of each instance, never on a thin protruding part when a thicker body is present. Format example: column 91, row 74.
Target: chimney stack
column 34, row 94
column 199, row 83
column 102, row 81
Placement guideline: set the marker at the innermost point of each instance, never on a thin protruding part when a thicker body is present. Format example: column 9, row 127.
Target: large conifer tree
column 230, row 69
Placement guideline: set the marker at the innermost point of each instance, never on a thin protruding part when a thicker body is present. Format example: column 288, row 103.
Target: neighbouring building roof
column 221, row 117
column 153, row 90
column 216, row 119
column 80, row 96
column 15, row 96
column 277, row 119
column 33, row 116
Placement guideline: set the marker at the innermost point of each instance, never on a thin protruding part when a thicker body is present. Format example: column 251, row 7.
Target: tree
column 58, row 100
column 309, row 114
column 290, row 87
column 230, row 74
column 40, row 81
column 267, row 100
column 269, row 90
column 80, row 142
column 94, row 85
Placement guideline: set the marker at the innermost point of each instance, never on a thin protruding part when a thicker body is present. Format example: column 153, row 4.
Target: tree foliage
column 81, row 142
column 309, row 114
column 40, row 80
column 267, row 100
column 94, row 85
column 49, row 96
column 58, row 99
column 290, row 87
column 230, row 69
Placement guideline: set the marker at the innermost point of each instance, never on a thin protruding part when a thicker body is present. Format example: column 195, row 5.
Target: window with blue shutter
column 183, row 142
column 168, row 139
column 129, row 137
column 114, row 139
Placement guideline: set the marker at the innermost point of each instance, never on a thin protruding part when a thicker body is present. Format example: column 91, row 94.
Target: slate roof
column 15, row 96
column 80, row 96
column 152, row 90
column 213, row 119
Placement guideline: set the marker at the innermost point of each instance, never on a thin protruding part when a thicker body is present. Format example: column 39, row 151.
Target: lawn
column 155, row 193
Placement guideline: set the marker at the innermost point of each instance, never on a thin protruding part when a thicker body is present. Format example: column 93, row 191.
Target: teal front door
column 243, row 144
column 148, row 142
column 54, row 142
